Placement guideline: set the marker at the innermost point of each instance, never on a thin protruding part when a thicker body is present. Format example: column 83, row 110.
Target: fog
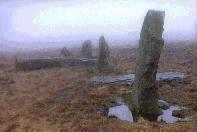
column 42, row 23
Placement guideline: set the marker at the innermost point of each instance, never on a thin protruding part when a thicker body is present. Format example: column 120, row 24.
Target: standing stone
column 104, row 60
column 65, row 52
column 86, row 50
column 150, row 45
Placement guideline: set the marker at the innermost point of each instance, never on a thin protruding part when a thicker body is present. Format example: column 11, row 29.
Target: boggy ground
column 62, row 99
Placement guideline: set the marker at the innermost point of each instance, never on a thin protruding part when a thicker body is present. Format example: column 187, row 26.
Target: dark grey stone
column 86, row 49
column 129, row 79
column 145, row 99
column 170, row 76
column 104, row 61
column 36, row 64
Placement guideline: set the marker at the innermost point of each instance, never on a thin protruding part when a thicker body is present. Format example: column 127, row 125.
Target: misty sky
column 67, row 20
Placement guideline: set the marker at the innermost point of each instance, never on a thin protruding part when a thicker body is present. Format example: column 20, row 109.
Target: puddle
column 123, row 112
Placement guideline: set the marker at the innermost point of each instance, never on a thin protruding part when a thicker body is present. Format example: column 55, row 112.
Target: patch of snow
column 122, row 112
column 169, row 118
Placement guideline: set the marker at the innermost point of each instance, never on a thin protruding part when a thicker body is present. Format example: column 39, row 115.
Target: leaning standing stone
column 150, row 46
column 86, row 50
column 104, row 60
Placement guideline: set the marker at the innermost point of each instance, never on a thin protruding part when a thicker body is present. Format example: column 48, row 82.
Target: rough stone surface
column 129, row 79
column 151, row 42
column 36, row 64
column 117, row 80
column 104, row 60
column 163, row 104
column 170, row 76
column 86, row 50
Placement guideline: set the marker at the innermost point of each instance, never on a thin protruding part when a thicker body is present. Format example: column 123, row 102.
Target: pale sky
column 52, row 20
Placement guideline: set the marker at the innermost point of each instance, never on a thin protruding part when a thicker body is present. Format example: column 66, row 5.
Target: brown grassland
column 62, row 99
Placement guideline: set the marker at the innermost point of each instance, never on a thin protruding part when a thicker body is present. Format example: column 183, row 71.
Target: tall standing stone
column 86, row 50
column 104, row 60
column 150, row 46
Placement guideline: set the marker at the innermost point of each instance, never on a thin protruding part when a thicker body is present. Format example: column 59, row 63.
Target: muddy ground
column 62, row 99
